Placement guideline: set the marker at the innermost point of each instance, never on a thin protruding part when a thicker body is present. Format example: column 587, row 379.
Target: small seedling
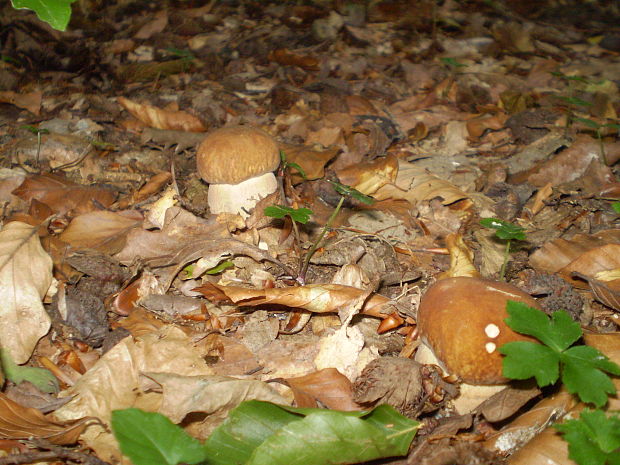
column 582, row 368
column 593, row 439
column 598, row 129
column 301, row 215
column 507, row 232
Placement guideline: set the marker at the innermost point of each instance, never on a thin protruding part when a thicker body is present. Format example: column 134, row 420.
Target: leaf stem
column 502, row 271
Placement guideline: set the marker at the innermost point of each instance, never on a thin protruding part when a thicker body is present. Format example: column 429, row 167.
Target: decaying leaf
column 317, row 298
column 62, row 195
column 19, row 422
column 104, row 231
column 25, row 277
column 328, row 386
column 162, row 119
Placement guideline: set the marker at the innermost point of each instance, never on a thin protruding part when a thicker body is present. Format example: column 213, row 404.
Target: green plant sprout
column 593, row 439
column 507, row 232
column 616, row 207
column 599, row 135
column 582, row 368
column 302, row 215
column 262, row 433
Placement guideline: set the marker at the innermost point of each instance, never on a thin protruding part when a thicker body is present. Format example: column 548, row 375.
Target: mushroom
column 461, row 321
column 238, row 163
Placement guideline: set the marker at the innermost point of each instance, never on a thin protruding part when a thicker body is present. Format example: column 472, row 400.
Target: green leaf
column 559, row 333
column 43, row 379
column 54, row 12
column 301, row 215
column 525, row 360
column 593, row 439
column 349, row 191
column 504, row 229
column 588, row 122
column 220, row 267
column 574, row 101
column 582, row 368
column 260, row 433
column 616, row 207
column 297, row 168
column 583, row 374
column 149, row 438
column 452, row 63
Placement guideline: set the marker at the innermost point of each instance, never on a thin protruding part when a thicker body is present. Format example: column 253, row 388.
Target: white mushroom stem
column 241, row 198
column 470, row 395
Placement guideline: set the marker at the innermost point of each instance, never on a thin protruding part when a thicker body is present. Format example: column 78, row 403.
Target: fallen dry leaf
column 64, row 196
column 25, row 277
column 103, row 230
column 328, row 386
column 19, row 422
column 162, row 119
column 317, row 298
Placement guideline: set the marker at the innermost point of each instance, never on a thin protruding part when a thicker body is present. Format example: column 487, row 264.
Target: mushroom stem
column 241, row 197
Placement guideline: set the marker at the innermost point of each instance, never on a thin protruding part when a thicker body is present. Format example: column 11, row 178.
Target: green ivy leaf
column 54, row 12
column 149, row 438
column 301, row 215
column 582, row 368
column 593, row 439
column 504, row 229
column 43, row 379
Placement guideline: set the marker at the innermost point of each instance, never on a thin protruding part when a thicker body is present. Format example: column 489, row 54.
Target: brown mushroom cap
column 234, row 154
column 462, row 321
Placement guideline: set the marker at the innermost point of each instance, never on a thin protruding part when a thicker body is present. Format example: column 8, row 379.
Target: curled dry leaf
column 25, row 277
column 103, row 230
column 316, row 298
column 327, row 386
column 370, row 177
column 162, row 119
column 592, row 259
column 19, row 422
column 62, row 195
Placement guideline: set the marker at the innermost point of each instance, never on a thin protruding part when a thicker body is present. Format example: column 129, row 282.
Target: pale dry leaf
column 19, row 422
column 162, row 119
column 25, row 277
column 30, row 101
column 211, row 394
column 104, row 231
column 116, row 382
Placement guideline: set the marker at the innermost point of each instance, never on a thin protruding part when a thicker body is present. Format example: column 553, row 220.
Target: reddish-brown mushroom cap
column 238, row 163
column 462, row 321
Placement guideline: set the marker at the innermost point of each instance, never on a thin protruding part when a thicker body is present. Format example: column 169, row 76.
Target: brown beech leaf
column 369, row 177
column 30, row 101
column 606, row 291
column 285, row 57
column 311, row 161
column 64, row 196
column 316, row 298
column 327, row 386
column 103, row 230
column 558, row 254
column 162, row 119
column 19, row 422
